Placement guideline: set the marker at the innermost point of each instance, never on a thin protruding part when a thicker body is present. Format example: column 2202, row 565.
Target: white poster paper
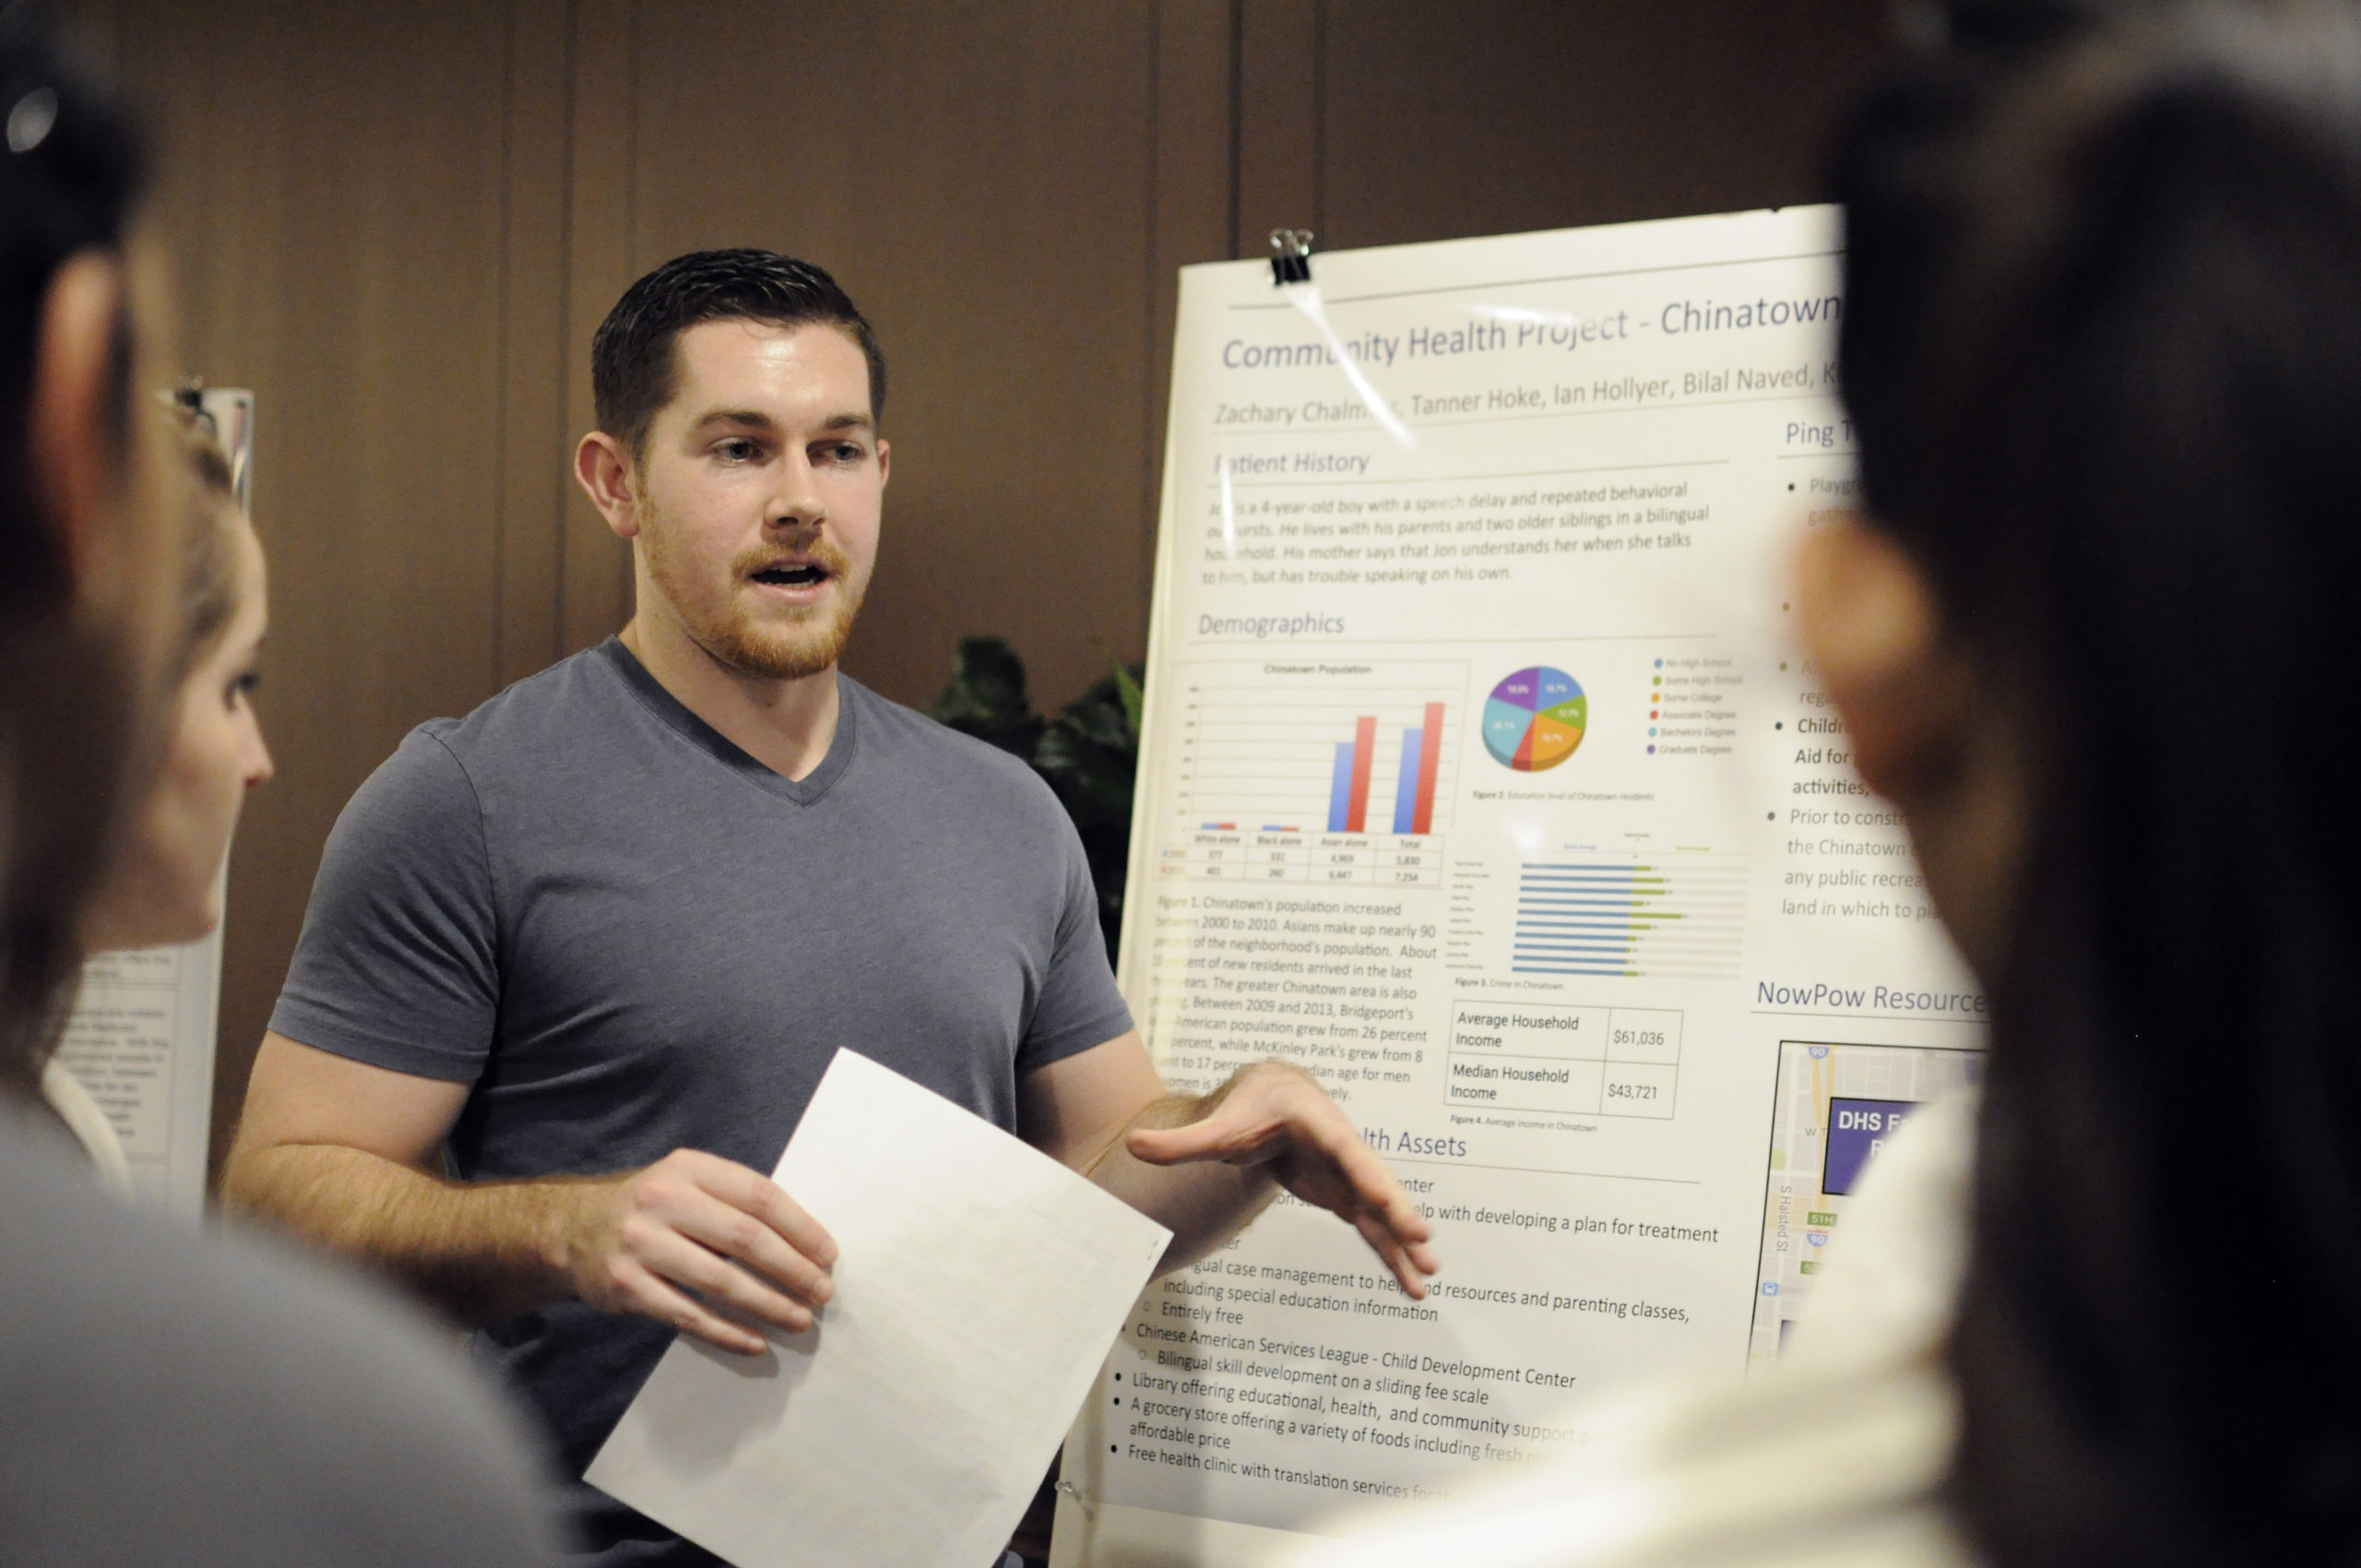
column 1480, row 775
column 978, row 1285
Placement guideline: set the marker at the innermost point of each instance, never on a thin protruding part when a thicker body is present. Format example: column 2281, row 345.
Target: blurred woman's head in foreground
column 89, row 500
column 2103, row 349
column 163, row 882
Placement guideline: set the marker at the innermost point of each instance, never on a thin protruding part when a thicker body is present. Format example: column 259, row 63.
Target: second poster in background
column 1481, row 777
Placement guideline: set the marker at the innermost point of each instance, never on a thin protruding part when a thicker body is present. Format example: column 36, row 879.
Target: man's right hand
column 642, row 1241
column 337, row 1152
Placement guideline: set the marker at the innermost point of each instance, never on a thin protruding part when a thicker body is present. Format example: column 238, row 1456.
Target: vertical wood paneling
column 333, row 173
column 1282, row 88
column 1192, row 208
column 1526, row 115
column 600, row 179
column 534, row 489
column 978, row 178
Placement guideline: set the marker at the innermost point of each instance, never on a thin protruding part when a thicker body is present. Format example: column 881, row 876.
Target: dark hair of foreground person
column 2103, row 346
column 70, row 174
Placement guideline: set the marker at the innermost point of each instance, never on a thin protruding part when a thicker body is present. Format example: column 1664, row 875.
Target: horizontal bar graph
column 1599, row 915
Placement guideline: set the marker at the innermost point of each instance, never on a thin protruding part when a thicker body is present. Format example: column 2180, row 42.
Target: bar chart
column 1351, row 753
column 1322, row 773
column 1605, row 915
column 1414, row 780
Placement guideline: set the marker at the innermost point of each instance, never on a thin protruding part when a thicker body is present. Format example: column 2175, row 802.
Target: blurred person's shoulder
column 218, row 1400
column 1888, row 1287
column 1835, row 1470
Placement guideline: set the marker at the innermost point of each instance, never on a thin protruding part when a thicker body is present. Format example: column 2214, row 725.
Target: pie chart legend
column 1534, row 719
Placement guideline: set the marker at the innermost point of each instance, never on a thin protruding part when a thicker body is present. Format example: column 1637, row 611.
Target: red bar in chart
column 1364, row 757
column 1430, row 759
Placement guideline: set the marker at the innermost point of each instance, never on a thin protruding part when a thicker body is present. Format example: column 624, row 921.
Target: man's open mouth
column 799, row 576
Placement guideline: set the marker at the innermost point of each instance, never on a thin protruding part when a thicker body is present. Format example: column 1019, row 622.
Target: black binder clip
column 1291, row 256
column 188, row 396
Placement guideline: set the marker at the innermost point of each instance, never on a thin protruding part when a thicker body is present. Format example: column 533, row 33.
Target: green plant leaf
column 1135, row 699
column 986, row 697
column 1088, row 755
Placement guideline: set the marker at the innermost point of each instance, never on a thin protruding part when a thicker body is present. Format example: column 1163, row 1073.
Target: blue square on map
column 1857, row 1130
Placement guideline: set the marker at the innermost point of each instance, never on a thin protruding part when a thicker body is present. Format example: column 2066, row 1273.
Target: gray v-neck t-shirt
column 627, row 936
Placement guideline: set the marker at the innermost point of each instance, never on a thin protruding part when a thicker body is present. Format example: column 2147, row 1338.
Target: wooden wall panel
column 1282, row 93
column 1525, row 114
column 535, row 336
column 601, row 169
column 978, row 178
column 1192, row 205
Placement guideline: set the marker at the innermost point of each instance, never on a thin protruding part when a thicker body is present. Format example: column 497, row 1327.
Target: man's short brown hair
column 631, row 355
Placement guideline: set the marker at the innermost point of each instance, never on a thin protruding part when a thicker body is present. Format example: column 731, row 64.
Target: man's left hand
column 1276, row 1117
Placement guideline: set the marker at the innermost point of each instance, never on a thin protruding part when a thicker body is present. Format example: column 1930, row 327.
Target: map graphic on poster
column 1480, row 775
column 1834, row 1108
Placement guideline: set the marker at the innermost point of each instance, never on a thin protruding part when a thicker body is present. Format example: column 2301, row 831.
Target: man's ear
column 885, row 464
column 76, row 445
column 604, row 470
column 1869, row 624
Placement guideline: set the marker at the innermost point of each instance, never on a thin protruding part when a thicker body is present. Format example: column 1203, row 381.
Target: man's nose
column 799, row 500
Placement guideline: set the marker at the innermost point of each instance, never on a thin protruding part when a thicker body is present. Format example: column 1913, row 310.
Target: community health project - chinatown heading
column 1520, row 329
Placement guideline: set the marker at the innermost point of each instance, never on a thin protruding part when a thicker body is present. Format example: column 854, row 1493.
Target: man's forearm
column 482, row 1252
column 1203, row 1205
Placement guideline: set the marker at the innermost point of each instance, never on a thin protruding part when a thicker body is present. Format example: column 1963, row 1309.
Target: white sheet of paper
column 980, row 1285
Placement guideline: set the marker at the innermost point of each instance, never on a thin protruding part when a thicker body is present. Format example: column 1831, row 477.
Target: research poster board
column 142, row 1034
column 1481, row 776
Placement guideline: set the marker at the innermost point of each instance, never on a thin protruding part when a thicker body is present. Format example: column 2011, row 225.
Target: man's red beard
column 801, row 641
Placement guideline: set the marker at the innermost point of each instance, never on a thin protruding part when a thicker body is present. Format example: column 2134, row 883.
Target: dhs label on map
column 1857, row 1130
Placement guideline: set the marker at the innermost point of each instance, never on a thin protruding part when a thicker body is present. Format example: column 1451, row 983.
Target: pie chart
column 1534, row 719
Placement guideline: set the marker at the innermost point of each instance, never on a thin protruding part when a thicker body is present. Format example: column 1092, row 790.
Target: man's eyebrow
column 753, row 417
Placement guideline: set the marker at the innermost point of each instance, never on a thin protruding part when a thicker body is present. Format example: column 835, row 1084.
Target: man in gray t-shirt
column 598, row 940
column 630, row 937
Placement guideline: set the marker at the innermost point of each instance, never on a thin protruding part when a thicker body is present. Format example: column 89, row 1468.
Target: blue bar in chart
column 1340, row 795
column 1405, row 785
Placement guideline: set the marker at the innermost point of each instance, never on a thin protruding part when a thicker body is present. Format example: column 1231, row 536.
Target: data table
column 1364, row 859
